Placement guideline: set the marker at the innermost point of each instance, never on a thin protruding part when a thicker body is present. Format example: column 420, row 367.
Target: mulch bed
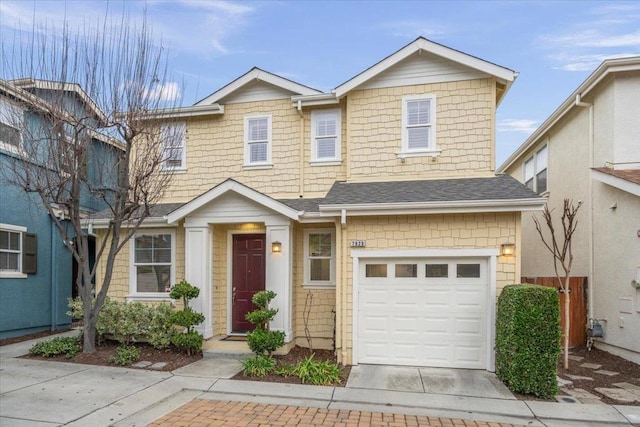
column 296, row 355
column 173, row 357
column 629, row 372
column 7, row 341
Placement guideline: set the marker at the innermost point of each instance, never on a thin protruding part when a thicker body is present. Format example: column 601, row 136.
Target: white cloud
column 587, row 62
column 601, row 32
column 167, row 92
column 517, row 125
column 202, row 27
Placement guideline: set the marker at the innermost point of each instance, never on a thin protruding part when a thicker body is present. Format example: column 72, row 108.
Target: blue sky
column 553, row 45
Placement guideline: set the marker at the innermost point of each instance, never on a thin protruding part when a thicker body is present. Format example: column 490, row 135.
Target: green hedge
column 528, row 339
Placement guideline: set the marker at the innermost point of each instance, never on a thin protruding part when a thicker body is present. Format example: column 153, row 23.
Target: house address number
column 358, row 243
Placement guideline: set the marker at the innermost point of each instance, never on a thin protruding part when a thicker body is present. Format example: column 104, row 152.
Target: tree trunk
column 89, row 332
column 567, row 317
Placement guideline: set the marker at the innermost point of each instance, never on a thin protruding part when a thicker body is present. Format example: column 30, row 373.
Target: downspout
column 580, row 103
column 344, row 309
column 54, row 278
column 301, row 114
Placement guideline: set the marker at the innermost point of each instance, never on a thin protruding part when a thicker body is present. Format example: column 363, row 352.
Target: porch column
column 197, row 268
column 279, row 277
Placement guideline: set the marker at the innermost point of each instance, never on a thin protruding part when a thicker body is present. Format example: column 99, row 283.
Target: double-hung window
column 535, row 171
column 153, row 263
column 418, row 124
column 320, row 257
column 174, row 146
column 11, row 122
column 257, row 138
column 18, row 252
column 325, row 136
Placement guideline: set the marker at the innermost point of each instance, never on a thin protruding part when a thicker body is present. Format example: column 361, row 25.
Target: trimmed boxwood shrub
column 528, row 339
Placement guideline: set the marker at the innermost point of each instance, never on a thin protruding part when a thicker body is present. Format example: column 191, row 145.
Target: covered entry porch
column 237, row 242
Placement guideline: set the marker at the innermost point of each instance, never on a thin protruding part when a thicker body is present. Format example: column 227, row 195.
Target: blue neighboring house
column 37, row 271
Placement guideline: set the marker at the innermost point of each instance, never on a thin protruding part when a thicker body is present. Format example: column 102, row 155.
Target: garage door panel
column 469, row 327
column 424, row 321
column 437, row 298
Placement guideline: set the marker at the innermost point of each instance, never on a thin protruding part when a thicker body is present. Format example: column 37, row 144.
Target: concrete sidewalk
column 37, row 393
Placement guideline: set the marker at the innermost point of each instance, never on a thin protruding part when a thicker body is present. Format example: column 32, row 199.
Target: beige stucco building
column 373, row 211
column 589, row 150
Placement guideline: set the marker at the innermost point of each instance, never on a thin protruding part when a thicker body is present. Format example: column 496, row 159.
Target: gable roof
column 624, row 179
column 256, row 74
column 30, row 83
column 609, row 66
column 231, row 185
column 504, row 75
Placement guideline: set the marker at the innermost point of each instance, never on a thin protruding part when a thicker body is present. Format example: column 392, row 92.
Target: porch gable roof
column 231, row 185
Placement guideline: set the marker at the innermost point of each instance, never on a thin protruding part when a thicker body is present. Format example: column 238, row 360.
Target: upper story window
column 153, row 263
column 11, row 121
column 175, row 152
column 18, row 252
column 257, row 140
column 325, row 136
column 418, row 124
column 320, row 257
column 535, row 171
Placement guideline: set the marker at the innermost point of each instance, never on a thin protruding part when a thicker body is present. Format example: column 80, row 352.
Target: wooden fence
column 577, row 300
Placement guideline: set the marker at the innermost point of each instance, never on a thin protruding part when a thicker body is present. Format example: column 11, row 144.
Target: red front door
column 248, row 277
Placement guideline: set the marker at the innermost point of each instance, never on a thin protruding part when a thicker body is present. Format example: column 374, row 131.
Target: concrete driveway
column 455, row 382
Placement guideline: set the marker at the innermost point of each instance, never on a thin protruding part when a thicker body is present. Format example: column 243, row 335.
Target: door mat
column 234, row 338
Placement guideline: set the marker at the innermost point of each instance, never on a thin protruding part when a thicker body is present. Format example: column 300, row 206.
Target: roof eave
column 607, row 67
column 367, row 209
column 420, row 44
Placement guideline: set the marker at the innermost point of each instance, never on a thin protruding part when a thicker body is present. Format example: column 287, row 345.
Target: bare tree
column 559, row 244
column 120, row 76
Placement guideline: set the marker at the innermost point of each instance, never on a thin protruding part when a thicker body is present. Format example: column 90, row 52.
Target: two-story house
column 589, row 150
column 37, row 271
column 378, row 199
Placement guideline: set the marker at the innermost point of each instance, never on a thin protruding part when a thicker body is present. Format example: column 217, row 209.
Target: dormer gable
column 257, row 85
column 423, row 61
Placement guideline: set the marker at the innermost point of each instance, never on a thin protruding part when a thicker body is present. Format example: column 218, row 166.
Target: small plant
column 190, row 340
column 258, row 366
column 317, row 373
column 261, row 340
column 285, row 370
column 68, row 346
column 125, row 355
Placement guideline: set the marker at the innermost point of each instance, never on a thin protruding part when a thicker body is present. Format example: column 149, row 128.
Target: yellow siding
column 464, row 123
column 452, row 231
column 323, row 300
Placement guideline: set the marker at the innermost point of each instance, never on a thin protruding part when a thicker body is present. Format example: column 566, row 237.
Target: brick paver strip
column 200, row 412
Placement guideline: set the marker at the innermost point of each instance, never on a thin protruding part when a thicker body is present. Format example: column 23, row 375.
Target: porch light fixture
column 507, row 249
column 276, row 247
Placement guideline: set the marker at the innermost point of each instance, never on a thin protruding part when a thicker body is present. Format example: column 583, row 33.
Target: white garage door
column 423, row 312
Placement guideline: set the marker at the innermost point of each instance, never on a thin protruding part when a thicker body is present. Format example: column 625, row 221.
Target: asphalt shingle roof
column 501, row 187
column 156, row 211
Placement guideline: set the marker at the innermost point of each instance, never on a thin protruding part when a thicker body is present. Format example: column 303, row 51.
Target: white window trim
column 328, row 161
column 6, row 121
column 433, row 150
column 247, row 152
column 183, row 160
column 308, row 283
column 14, row 274
column 133, row 288
column 534, row 159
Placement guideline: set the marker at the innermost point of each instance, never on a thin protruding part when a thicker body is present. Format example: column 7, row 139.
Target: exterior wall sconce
column 507, row 249
column 276, row 247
